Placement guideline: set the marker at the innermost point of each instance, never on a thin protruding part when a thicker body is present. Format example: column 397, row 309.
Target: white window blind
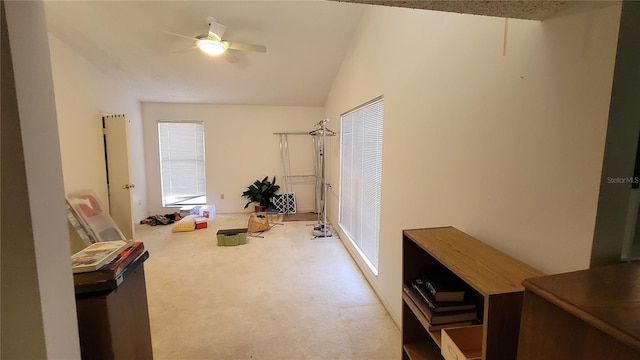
column 361, row 178
column 182, row 163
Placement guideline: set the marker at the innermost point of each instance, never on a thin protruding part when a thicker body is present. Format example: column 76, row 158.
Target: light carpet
column 283, row 296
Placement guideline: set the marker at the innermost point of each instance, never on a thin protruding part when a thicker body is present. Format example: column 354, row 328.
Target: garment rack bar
column 291, row 133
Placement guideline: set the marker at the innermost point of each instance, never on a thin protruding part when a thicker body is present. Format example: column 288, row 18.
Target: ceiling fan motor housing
column 216, row 29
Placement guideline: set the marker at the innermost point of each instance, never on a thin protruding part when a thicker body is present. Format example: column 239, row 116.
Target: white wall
column 240, row 148
column 83, row 94
column 41, row 222
column 507, row 148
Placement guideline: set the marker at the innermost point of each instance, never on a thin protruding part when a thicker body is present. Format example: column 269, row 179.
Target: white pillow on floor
column 187, row 223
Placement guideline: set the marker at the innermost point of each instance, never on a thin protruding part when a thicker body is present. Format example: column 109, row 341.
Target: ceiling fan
column 213, row 44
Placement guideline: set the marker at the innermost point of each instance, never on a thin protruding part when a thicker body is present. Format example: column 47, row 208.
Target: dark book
column 111, row 270
column 417, row 300
column 443, row 285
column 452, row 316
column 440, row 306
column 109, row 285
column 438, row 318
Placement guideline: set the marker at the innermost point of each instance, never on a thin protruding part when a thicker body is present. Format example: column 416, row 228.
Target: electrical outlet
column 222, row 196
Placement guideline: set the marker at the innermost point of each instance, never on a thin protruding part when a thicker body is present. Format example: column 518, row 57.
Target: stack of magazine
column 104, row 265
column 442, row 298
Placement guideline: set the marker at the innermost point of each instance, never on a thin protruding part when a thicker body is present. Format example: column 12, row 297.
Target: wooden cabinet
column 114, row 323
column 494, row 277
column 588, row 314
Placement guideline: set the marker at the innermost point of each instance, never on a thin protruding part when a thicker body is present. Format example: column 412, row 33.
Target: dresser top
column 606, row 297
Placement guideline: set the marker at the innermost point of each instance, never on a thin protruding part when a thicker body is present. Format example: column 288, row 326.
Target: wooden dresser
column 588, row 314
column 113, row 319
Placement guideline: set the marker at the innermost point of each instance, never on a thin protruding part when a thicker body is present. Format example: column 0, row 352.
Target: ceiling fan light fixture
column 211, row 47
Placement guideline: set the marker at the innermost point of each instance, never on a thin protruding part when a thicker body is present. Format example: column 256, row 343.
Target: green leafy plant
column 262, row 192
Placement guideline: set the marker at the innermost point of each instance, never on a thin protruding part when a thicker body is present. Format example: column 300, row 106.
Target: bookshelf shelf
column 495, row 280
column 421, row 351
column 435, row 335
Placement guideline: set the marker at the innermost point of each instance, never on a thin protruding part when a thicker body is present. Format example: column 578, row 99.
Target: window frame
column 198, row 157
column 362, row 228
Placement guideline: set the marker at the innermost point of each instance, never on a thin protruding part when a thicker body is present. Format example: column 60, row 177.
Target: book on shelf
column 452, row 316
column 440, row 306
column 113, row 283
column 443, row 285
column 97, row 254
column 113, row 269
column 438, row 318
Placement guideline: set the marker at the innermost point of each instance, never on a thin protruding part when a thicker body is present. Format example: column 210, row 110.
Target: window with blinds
column 361, row 178
column 182, row 164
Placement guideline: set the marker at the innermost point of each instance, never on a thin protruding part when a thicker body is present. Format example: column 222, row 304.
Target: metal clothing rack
column 286, row 168
column 320, row 133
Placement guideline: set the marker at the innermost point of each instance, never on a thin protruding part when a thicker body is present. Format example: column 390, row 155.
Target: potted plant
column 262, row 193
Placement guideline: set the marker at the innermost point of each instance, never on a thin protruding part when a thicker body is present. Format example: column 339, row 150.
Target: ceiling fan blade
column 229, row 56
column 216, row 29
column 185, row 50
column 246, row 47
column 180, row 35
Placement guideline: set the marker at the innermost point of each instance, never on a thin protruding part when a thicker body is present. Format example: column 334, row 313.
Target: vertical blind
column 181, row 161
column 361, row 177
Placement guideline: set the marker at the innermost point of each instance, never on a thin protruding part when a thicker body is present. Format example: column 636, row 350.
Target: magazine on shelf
column 111, row 270
column 97, row 254
column 111, row 284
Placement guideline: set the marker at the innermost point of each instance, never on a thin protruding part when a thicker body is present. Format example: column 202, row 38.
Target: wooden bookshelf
column 495, row 280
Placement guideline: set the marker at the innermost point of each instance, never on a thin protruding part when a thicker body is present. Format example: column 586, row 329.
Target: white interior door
column 116, row 142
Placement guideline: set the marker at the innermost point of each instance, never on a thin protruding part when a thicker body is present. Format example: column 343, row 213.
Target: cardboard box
column 462, row 343
column 232, row 237
column 208, row 211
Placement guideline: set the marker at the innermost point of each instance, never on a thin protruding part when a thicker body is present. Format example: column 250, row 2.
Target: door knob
column 128, row 186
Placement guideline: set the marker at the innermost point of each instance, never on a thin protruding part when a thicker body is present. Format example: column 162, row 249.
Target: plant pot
column 260, row 209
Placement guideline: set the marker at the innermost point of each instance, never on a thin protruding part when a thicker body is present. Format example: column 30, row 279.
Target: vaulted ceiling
column 306, row 41
column 516, row 9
